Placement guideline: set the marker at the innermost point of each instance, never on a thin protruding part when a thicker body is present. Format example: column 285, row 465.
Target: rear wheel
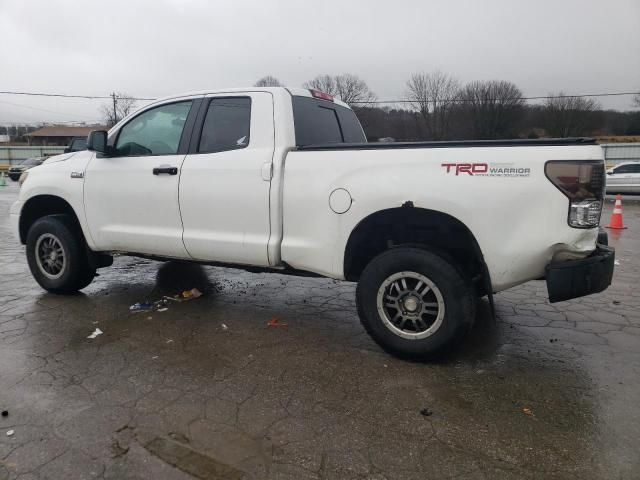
column 414, row 303
column 56, row 255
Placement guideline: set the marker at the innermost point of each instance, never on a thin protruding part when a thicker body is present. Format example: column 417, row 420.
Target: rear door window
column 227, row 125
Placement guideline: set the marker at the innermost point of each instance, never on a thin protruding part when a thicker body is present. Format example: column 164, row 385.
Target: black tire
column 456, row 295
column 75, row 272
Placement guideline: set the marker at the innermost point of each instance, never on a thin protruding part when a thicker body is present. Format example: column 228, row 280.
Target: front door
column 225, row 180
column 131, row 196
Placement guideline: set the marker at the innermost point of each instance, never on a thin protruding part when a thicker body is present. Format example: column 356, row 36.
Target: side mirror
column 97, row 141
column 609, row 172
column 67, row 150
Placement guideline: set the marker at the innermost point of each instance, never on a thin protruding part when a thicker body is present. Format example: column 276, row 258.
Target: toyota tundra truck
column 283, row 180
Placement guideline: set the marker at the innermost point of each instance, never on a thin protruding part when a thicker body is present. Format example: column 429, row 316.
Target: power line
column 44, row 110
column 64, row 95
column 541, row 97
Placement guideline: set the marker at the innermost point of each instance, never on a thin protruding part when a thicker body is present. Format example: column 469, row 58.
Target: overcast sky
column 151, row 48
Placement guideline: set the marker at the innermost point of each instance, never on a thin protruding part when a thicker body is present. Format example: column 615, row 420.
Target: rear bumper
column 577, row 278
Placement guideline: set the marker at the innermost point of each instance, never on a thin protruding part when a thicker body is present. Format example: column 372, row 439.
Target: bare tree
column 120, row 106
column 433, row 95
column 493, row 108
column 268, row 81
column 349, row 88
column 566, row 116
column 324, row 83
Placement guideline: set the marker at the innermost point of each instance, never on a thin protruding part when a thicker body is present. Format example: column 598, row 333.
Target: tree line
column 438, row 107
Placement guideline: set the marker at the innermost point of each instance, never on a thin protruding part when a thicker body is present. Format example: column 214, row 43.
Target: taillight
column 583, row 183
column 321, row 95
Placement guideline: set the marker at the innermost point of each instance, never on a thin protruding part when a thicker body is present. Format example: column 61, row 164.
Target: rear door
column 225, row 180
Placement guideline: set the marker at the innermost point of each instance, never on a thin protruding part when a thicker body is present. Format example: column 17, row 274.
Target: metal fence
column 615, row 153
column 13, row 155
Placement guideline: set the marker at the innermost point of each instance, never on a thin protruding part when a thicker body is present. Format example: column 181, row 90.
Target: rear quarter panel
column 518, row 220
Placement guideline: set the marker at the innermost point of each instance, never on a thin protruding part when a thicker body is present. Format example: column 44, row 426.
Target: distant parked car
column 624, row 178
column 77, row 144
column 16, row 171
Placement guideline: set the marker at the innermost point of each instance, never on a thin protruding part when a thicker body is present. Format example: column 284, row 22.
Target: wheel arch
column 40, row 206
column 420, row 227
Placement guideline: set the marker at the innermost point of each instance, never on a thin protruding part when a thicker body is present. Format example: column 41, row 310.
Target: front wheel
column 56, row 255
column 414, row 303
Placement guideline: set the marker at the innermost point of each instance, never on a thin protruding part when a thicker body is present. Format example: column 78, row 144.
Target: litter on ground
column 616, row 262
column 191, row 294
column 161, row 305
column 141, row 307
column 276, row 322
column 95, row 333
column 10, row 433
column 528, row 411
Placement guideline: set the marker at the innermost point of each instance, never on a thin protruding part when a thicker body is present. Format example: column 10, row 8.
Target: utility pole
column 115, row 110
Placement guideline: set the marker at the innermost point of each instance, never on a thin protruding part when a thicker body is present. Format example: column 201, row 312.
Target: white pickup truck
column 282, row 180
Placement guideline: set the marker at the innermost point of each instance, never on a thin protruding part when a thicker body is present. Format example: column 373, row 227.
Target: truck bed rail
column 547, row 142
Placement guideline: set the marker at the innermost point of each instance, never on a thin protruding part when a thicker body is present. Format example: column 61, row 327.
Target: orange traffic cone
column 616, row 216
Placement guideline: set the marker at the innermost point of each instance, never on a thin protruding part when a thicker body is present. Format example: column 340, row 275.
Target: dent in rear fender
column 583, row 244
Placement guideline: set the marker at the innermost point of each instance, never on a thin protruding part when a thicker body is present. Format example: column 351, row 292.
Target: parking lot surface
column 206, row 389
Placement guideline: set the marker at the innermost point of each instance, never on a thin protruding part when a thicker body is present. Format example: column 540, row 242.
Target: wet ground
column 207, row 390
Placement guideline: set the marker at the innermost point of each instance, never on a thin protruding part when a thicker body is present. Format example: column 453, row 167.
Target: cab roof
column 295, row 91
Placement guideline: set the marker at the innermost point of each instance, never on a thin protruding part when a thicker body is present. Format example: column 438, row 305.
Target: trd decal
column 470, row 168
column 486, row 169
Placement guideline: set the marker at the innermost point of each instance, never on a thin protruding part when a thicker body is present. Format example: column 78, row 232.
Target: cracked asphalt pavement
column 207, row 390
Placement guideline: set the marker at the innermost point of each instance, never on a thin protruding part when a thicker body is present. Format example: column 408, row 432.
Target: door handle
column 165, row 170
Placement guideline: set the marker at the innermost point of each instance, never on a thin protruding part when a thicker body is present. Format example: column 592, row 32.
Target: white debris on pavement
column 224, row 327
column 10, row 433
column 96, row 332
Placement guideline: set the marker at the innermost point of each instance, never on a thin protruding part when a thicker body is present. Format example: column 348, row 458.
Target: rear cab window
column 319, row 122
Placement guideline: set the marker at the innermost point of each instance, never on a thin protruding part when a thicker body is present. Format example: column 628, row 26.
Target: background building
column 57, row 135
